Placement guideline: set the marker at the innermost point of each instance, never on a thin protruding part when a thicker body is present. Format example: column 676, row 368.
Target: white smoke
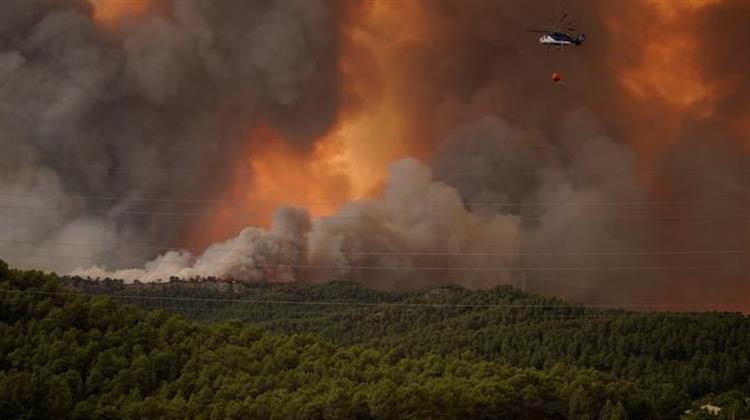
column 415, row 236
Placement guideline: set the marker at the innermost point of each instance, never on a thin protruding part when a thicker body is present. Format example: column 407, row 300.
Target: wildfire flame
column 350, row 162
column 274, row 174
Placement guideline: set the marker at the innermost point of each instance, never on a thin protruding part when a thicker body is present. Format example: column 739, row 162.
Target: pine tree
column 578, row 405
column 606, row 411
column 619, row 412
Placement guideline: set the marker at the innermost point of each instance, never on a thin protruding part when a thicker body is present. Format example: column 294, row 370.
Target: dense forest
column 74, row 348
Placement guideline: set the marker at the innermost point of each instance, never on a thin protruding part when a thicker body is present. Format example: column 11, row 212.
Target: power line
column 122, row 198
column 424, row 268
column 373, row 304
column 437, row 172
column 293, row 302
column 332, row 204
column 527, row 218
column 414, row 253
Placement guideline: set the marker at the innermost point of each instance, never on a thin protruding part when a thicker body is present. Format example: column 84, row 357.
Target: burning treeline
column 267, row 128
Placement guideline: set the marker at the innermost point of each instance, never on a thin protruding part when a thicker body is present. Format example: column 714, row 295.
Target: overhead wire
column 370, row 304
column 676, row 267
column 437, row 172
column 115, row 213
column 660, row 202
column 219, row 249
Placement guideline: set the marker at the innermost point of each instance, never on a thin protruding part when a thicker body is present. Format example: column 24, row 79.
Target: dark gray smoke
column 566, row 194
column 94, row 120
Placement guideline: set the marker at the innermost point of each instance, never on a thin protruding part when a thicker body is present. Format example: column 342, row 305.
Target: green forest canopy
column 343, row 351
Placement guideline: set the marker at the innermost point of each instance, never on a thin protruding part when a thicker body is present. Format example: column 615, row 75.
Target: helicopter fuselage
column 560, row 39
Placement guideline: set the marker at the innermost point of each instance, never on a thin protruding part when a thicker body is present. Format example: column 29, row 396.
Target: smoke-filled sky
column 397, row 143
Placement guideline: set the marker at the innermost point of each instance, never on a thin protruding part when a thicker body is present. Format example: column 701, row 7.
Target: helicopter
column 559, row 35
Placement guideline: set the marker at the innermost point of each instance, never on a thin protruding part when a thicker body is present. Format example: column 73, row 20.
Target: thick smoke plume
column 425, row 232
column 403, row 239
column 628, row 183
column 96, row 121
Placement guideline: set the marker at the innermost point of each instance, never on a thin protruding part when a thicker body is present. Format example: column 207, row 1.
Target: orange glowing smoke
column 662, row 79
column 275, row 174
column 283, row 176
column 351, row 160
column 371, row 125
column 667, row 69
column 667, row 73
column 108, row 12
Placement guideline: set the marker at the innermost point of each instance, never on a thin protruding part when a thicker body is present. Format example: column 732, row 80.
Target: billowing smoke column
column 621, row 186
column 96, row 121
column 401, row 239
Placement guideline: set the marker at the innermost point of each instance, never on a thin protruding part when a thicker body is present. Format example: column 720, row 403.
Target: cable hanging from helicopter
column 561, row 34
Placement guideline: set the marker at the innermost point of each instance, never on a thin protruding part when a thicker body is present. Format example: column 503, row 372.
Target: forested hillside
column 341, row 351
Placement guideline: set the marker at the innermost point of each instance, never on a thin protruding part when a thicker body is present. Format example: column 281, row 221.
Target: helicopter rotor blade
column 562, row 19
